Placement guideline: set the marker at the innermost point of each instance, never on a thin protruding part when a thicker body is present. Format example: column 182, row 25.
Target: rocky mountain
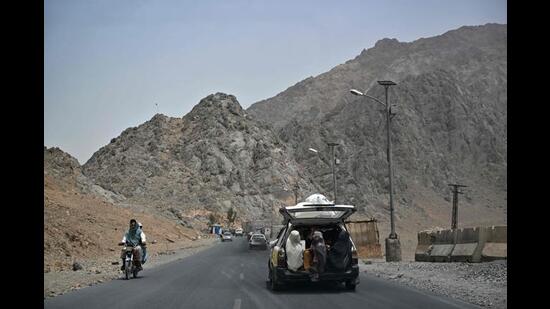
column 213, row 158
column 67, row 173
column 470, row 52
column 81, row 223
column 450, row 126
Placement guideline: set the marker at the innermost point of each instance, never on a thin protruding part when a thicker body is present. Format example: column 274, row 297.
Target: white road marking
column 226, row 274
column 237, row 304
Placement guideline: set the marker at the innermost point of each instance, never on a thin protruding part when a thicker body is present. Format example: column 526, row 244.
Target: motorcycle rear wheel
column 128, row 269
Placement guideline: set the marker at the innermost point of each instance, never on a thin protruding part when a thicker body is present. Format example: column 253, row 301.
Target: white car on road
column 238, row 232
column 227, row 236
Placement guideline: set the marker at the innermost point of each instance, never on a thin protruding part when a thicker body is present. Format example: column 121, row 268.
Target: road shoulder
column 101, row 270
column 482, row 284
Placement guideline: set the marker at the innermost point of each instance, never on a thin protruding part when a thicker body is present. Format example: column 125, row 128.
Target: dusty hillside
column 213, row 158
column 82, row 226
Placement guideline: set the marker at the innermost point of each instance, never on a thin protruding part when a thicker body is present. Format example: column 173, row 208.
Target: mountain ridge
column 450, row 125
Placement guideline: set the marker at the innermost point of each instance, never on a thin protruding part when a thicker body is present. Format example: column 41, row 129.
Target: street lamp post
column 393, row 246
column 331, row 145
column 296, row 188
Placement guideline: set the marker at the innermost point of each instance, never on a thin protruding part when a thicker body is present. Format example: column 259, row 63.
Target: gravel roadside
column 102, row 270
column 482, row 284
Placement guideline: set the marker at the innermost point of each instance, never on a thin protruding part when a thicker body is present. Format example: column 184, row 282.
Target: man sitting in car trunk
column 319, row 251
column 294, row 251
column 339, row 256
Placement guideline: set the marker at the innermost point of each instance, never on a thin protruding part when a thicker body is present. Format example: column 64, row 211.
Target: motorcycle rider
column 133, row 237
column 319, row 250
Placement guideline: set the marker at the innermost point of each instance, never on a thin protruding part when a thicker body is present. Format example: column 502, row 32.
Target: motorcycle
column 130, row 263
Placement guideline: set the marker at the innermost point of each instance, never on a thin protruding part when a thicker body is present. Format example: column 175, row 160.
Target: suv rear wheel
column 350, row 285
column 274, row 285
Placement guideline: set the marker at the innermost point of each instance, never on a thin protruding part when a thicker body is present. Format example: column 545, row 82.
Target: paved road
column 229, row 275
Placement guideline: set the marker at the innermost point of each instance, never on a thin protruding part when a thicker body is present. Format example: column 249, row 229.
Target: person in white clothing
column 294, row 251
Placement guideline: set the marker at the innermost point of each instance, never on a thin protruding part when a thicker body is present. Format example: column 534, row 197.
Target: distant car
column 227, row 236
column 306, row 218
column 238, row 232
column 257, row 241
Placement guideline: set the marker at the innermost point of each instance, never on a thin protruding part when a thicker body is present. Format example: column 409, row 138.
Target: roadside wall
column 496, row 245
column 474, row 244
column 425, row 241
column 366, row 238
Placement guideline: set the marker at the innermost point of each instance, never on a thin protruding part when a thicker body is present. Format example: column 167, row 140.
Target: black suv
column 327, row 218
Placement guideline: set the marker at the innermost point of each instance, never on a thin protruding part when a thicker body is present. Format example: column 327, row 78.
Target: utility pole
column 456, row 192
column 331, row 145
column 296, row 187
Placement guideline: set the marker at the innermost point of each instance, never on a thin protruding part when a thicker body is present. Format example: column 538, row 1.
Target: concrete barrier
column 477, row 244
column 441, row 253
column 442, row 246
column 496, row 244
column 468, row 244
column 425, row 241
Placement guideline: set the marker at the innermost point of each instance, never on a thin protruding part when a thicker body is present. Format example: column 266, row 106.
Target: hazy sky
column 107, row 62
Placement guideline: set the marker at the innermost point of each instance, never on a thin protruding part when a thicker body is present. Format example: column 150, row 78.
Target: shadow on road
column 310, row 288
column 124, row 279
column 257, row 249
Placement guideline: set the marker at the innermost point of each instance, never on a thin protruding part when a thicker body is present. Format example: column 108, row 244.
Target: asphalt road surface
column 229, row 275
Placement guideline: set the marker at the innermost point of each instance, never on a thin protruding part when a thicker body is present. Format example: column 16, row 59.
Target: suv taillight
column 354, row 256
column 281, row 258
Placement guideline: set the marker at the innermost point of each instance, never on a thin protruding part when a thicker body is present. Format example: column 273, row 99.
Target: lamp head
column 386, row 83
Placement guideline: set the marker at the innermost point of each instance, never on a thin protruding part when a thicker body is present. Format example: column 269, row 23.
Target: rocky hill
column 213, row 158
column 450, row 126
column 82, row 224
column 470, row 52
